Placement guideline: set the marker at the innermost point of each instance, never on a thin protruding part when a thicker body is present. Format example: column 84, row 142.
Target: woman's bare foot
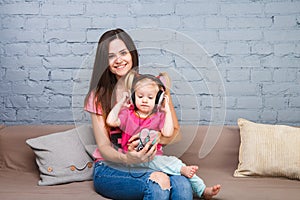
column 209, row 192
column 188, row 171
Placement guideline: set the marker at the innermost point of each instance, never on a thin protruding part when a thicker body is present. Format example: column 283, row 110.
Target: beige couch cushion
column 268, row 150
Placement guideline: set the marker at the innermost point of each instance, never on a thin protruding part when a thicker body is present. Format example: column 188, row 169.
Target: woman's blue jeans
column 132, row 184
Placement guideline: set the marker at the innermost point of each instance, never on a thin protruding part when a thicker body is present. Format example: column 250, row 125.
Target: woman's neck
column 119, row 89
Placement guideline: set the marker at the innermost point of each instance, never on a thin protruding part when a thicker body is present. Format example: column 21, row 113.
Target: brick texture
column 227, row 59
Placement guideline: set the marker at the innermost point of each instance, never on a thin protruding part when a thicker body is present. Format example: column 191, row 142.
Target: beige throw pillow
column 268, row 150
column 61, row 157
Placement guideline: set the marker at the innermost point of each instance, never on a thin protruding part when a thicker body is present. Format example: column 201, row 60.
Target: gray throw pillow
column 61, row 157
column 88, row 140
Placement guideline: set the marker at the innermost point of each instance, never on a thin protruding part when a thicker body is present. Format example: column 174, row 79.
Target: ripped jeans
column 130, row 183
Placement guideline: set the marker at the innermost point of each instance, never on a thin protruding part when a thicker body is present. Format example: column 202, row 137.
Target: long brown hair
column 103, row 80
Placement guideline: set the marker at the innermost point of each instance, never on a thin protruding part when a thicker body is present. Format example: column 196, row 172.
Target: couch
column 19, row 173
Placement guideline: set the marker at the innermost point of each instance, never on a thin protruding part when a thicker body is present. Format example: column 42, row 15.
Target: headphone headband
column 147, row 76
column 160, row 94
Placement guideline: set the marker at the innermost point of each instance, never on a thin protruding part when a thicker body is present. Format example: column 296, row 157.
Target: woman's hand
column 145, row 155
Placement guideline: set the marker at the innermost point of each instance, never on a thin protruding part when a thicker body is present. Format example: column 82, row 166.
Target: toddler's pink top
column 132, row 124
column 92, row 108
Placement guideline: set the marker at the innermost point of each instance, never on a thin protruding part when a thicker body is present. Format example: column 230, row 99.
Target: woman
column 116, row 55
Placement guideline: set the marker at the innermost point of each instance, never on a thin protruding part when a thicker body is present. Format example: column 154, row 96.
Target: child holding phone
column 146, row 117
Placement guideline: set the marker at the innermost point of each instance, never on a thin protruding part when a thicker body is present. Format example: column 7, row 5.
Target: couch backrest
column 224, row 153
column 15, row 154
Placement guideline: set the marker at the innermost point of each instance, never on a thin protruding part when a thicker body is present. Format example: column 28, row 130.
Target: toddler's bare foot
column 189, row 171
column 209, row 192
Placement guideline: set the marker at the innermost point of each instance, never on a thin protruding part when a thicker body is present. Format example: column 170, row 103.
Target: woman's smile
column 120, row 60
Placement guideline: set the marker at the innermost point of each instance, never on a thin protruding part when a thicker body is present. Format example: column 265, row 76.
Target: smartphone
column 145, row 136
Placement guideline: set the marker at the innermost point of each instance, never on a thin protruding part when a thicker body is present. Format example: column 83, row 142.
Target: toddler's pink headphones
column 160, row 94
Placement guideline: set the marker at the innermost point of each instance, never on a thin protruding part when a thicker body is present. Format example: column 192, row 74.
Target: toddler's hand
column 166, row 106
column 125, row 99
column 166, row 97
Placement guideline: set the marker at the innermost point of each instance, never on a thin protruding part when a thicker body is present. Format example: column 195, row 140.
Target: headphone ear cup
column 159, row 98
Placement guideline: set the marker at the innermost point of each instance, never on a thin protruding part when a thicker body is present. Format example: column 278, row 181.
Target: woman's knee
column 161, row 179
column 181, row 188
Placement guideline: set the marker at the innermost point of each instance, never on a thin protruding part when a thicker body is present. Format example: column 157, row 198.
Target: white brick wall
column 255, row 45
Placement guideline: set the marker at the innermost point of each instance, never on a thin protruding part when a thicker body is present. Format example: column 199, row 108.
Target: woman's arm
column 111, row 154
column 103, row 141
